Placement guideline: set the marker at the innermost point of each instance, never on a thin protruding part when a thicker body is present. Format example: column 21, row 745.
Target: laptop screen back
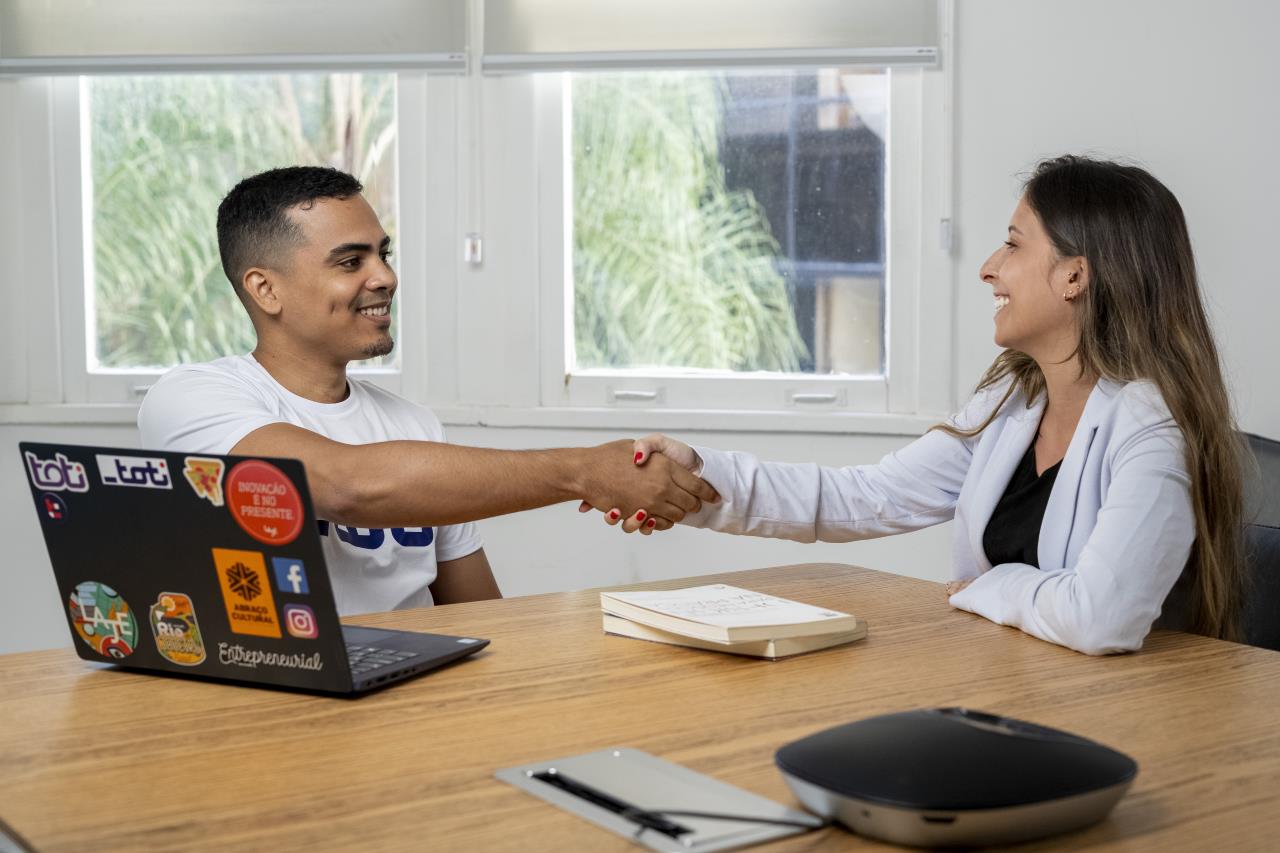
column 192, row 564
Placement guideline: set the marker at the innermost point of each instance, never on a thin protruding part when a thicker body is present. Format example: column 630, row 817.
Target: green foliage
column 165, row 150
column 670, row 267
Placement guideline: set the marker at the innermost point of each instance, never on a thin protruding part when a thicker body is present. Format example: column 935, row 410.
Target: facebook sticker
column 290, row 575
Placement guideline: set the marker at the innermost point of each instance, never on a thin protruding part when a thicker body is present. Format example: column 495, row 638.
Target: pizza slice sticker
column 205, row 477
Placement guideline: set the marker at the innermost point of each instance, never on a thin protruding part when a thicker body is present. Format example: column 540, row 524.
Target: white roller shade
column 549, row 35
column 139, row 36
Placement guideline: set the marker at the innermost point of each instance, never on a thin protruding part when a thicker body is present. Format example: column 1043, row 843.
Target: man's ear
column 260, row 287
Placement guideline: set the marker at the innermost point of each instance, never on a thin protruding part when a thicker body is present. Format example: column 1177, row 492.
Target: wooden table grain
column 105, row 759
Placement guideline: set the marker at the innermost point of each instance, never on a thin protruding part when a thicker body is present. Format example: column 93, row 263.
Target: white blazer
column 1115, row 537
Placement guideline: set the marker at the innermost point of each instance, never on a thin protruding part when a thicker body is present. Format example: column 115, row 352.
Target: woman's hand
column 679, row 453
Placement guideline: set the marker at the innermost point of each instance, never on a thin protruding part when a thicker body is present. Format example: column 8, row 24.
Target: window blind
column 141, row 36
column 556, row 35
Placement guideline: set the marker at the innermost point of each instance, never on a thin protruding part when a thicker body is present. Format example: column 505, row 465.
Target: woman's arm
column 914, row 487
column 1109, row 600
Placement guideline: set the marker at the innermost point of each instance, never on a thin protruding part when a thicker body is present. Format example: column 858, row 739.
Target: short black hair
column 253, row 219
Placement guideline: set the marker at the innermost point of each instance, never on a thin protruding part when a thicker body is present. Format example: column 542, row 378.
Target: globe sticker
column 173, row 623
column 264, row 502
column 103, row 620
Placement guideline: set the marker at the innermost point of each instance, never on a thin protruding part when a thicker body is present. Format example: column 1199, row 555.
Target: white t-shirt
column 208, row 408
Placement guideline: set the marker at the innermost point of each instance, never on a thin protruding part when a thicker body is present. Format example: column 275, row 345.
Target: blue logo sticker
column 291, row 576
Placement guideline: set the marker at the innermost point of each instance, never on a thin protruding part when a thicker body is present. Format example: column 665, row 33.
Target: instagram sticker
column 300, row 621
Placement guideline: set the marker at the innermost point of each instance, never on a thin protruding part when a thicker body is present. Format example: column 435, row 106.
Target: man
column 309, row 260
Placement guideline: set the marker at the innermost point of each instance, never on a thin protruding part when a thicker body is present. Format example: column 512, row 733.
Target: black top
column 1013, row 533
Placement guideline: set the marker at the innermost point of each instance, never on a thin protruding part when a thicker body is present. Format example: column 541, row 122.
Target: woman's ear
column 260, row 288
column 1075, row 272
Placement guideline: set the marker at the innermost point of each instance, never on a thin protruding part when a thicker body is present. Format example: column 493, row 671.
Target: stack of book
column 726, row 618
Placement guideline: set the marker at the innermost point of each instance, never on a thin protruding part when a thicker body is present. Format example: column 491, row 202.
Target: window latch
column 473, row 249
column 624, row 395
column 814, row 398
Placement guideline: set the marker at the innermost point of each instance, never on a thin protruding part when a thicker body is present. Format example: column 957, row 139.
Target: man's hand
column 645, row 448
column 661, row 492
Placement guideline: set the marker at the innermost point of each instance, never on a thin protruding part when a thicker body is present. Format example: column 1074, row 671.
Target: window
column 729, row 221
column 735, row 240
column 140, row 165
column 162, row 151
column 690, row 219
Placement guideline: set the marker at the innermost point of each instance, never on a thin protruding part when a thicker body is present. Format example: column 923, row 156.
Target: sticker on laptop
column 54, row 507
column 264, row 502
column 234, row 654
column 57, row 474
column 144, row 472
column 291, row 575
column 246, row 591
column 173, row 623
column 205, row 477
column 103, row 620
column 300, row 621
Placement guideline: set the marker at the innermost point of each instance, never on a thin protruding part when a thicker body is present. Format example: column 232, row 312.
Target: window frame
column 482, row 343
column 917, row 169
column 71, row 200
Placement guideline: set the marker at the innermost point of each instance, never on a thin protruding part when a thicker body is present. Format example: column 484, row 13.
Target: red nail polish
column 641, row 515
column 639, row 456
column 652, row 522
column 613, row 514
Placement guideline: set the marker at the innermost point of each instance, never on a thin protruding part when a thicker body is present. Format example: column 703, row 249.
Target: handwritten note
column 726, row 606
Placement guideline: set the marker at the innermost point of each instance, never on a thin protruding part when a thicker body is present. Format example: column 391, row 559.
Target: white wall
column 1185, row 87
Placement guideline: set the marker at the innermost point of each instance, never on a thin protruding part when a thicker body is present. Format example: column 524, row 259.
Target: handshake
column 659, row 490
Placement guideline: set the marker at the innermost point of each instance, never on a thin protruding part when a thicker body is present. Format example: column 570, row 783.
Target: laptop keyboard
column 368, row 658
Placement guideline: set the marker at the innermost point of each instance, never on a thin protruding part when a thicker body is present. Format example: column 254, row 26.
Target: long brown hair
column 1142, row 317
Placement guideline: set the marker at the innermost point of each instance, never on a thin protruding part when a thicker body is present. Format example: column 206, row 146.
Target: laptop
column 207, row 566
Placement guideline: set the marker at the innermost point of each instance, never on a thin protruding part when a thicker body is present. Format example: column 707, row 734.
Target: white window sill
column 655, row 419
column 621, row 418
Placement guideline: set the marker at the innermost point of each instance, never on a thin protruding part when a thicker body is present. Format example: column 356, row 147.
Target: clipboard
column 630, row 793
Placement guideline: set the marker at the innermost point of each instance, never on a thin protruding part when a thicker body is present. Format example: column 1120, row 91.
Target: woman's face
column 1030, row 283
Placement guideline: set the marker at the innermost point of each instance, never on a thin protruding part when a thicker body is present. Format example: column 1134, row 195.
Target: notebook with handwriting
column 726, row 614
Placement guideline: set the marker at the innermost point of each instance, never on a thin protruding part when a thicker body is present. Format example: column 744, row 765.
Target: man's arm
column 427, row 483
column 467, row 578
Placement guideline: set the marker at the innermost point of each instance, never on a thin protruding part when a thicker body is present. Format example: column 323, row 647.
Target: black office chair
column 1262, row 545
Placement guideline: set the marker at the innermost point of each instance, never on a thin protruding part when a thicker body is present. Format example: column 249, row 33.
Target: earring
column 1070, row 295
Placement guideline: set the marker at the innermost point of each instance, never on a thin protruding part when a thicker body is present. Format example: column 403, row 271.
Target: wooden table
column 100, row 758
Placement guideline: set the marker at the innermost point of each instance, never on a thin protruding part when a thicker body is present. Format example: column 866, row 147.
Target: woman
column 1097, row 459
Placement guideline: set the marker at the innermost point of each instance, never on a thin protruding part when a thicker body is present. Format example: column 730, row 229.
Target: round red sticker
column 264, row 502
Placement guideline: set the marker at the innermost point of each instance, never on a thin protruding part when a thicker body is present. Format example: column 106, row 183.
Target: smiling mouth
column 375, row 310
column 1001, row 301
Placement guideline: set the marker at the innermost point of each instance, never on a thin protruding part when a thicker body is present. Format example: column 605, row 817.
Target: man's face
column 335, row 291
